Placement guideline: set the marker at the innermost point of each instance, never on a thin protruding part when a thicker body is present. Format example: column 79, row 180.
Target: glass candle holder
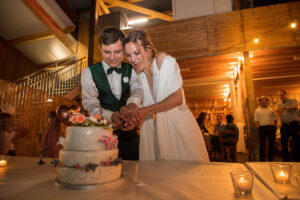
column 3, row 160
column 281, row 172
column 242, row 182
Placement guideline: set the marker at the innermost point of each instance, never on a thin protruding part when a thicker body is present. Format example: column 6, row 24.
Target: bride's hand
column 131, row 114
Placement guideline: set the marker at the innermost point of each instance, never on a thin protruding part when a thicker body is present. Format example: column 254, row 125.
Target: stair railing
column 56, row 80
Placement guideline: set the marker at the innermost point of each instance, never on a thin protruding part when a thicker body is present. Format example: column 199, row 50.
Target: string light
column 256, row 40
column 250, row 56
column 293, row 25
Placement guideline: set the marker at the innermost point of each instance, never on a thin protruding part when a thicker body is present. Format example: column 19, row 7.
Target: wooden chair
column 228, row 140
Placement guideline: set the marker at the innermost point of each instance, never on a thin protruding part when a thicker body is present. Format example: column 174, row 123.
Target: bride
column 169, row 130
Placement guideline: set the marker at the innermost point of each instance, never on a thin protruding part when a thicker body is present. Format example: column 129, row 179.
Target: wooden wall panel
column 97, row 54
column 13, row 64
column 83, row 39
column 228, row 32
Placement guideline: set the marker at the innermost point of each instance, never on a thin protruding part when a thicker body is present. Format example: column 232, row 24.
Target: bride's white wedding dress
column 174, row 134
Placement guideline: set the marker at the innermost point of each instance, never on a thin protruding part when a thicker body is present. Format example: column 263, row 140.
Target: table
column 24, row 179
column 263, row 171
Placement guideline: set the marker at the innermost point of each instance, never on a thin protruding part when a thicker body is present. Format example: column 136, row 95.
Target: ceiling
column 46, row 30
column 272, row 69
column 21, row 28
column 161, row 6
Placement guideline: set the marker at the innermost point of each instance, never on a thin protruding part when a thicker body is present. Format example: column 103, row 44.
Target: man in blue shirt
column 289, row 116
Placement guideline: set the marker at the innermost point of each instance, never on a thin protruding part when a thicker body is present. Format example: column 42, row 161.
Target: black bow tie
column 116, row 69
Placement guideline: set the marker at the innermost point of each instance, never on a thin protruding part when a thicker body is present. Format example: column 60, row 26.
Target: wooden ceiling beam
column 279, row 65
column 46, row 19
column 140, row 9
column 69, row 11
column 277, row 51
column 31, row 38
column 199, row 75
column 103, row 7
column 128, row 1
column 280, row 78
column 288, row 59
column 38, row 36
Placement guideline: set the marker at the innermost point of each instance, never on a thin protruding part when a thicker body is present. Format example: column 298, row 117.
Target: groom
column 111, row 84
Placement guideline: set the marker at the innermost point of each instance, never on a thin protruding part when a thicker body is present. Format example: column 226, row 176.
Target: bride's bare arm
column 172, row 101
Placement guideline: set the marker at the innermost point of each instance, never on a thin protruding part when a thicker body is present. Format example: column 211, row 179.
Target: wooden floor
column 244, row 157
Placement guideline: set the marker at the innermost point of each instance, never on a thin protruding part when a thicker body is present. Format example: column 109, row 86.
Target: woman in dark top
column 200, row 121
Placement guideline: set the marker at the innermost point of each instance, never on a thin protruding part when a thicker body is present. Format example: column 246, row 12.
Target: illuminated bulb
column 293, row 25
column 251, row 56
column 137, row 21
column 229, row 99
column 240, row 58
column 256, row 40
column 126, row 27
column 49, row 100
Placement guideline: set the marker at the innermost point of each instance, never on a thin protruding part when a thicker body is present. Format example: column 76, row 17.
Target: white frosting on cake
column 82, row 147
column 102, row 174
column 70, row 158
column 85, row 138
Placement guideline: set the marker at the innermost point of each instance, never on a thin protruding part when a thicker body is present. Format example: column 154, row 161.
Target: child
column 5, row 132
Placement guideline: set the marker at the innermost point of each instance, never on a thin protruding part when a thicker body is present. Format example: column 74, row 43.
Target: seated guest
column 231, row 125
column 219, row 126
column 5, row 132
column 229, row 136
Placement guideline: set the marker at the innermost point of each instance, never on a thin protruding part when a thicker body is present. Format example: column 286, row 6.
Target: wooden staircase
column 34, row 96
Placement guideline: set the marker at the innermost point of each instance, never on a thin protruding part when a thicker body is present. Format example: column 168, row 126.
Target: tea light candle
column 243, row 184
column 2, row 163
column 282, row 177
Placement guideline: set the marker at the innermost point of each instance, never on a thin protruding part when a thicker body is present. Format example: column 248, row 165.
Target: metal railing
column 57, row 79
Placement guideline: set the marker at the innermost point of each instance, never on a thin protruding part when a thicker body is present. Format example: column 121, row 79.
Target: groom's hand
column 116, row 120
column 131, row 114
column 119, row 123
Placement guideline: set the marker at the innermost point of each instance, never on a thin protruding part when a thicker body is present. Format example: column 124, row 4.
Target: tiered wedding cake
column 90, row 154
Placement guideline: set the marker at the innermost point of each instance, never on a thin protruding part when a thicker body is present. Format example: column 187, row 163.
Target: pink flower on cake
column 81, row 118
column 73, row 119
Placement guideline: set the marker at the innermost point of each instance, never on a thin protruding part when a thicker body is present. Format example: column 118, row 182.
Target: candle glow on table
column 2, row 163
column 281, row 172
column 281, row 176
column 243, row 184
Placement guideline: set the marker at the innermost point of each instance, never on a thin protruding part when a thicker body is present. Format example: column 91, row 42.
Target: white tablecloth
column 24, row 179
column 263, row 170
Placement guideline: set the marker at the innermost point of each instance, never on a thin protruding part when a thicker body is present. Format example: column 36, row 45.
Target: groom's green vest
column 106, row 97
